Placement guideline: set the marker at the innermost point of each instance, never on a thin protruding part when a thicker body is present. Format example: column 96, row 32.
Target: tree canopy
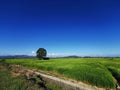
column 41, row 53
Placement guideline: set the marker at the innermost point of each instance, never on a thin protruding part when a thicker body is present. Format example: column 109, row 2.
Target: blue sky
column 63, row 27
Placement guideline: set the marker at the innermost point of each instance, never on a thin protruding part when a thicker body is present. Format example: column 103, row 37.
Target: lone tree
column 41, row 53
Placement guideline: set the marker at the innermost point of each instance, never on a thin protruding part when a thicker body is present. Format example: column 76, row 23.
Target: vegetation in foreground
column 8, row 82
column 13, row 82
column 95, row 71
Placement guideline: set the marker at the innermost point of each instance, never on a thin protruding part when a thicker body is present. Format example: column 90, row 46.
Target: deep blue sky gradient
column 81, row 27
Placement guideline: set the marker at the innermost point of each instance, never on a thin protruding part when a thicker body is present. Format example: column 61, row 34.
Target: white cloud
column 33, row 52
column 58, row 54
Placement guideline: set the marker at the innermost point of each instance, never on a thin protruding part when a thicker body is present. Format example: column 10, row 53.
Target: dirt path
column 68, row 85
column 65, row 84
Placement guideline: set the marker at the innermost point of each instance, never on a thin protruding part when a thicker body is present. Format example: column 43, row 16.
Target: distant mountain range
column 17, row 56
column 73, row 56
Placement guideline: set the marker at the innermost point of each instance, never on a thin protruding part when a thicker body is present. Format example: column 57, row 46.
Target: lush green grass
column 8, row 82
column 95, row 71
column 11, row 82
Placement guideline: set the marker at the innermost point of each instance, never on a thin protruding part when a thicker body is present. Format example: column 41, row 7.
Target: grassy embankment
column 9, row 81
column 94, row 71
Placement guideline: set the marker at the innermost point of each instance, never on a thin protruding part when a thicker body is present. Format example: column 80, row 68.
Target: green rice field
column 102, row 72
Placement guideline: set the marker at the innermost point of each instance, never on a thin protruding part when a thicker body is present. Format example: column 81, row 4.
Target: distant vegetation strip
column 95, row 71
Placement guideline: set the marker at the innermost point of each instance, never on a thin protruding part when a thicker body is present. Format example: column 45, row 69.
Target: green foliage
column 8, row 82
column 89, row 70
column 53, row 87
column 115, row 72
column 41, row 53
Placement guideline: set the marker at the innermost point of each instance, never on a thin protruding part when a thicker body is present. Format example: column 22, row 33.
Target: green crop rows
column 101, row 72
